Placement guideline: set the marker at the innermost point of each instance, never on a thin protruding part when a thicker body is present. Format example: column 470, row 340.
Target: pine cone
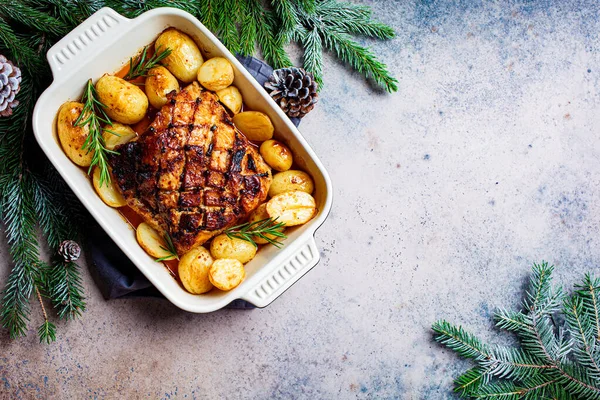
column 69, row 250
column 10, row 84
column 294, row 89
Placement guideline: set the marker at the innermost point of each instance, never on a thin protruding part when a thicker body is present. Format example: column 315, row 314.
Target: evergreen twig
column 549, row 363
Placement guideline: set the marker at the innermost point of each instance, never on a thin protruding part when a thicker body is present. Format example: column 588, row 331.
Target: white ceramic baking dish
column 103, row 43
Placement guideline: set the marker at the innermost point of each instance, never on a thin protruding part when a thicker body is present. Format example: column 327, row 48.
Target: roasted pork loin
column 191, row 174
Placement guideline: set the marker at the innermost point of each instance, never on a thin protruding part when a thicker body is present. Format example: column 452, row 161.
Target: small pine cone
column 69, row 250
column 294, row 90
column 10, row 84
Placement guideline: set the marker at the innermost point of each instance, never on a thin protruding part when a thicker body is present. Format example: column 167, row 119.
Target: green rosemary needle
column 93, row 116
column 142, row 64
column 170, row 249
column 265, row 229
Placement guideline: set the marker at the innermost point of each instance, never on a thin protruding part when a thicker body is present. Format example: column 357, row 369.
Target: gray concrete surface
column 445, row 193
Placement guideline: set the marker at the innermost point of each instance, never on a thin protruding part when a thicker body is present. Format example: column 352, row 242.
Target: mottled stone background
column 445, row 193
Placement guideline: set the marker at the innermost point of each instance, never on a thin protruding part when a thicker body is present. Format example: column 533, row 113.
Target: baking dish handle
column 298, row 264
column 95, row 33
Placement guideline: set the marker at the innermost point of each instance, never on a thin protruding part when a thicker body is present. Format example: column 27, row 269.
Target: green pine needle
column 65, row 290
column 47, row 332
column 554, row 362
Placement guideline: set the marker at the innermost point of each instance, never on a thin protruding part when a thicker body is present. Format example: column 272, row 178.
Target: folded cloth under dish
column 115, row 275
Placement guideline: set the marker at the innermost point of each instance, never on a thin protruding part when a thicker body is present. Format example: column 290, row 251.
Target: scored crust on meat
column 191, row 174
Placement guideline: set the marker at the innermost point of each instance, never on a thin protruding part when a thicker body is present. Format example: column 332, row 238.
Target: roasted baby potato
column 216, row 74
column 193, row 270
column 291, row 180
column 277, row 155
column 292, row 208
column 185, row 58
column 122, row 134
column 225, row 247
column 124, row 102
column 226, row 274
column 108, row 192
column 258, row 215
column 159, row 83
column 72, row 137
column 254, row 125
column 231, row 98
column 151, row 241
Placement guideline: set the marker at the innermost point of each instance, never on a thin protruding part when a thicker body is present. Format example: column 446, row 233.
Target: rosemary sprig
column 265, row 229
column 170, row 249
column 93, row 116
column 142, row 64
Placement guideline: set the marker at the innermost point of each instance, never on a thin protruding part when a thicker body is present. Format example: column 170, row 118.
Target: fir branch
column 582, row 332
column 65, row 290
column 248, row 30
column 589, row 292
column 47, row 331
column 313, row 59
column 229, row 10
column 288, row 18
column 353, row 18
column 549, row 363
column 359, row 58
column 23, row 13
column 209, row 15
column 470, row 381
column 270, row 43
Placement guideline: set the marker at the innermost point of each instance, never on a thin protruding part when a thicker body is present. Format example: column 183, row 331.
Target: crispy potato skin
column 185, row 58
column 254, row 125
column 292, row 208
column 291, row 180
column 193, row 270
column 223, row 246
column 108, row 192
column 231, row 98
column 159, row 83
column 258, row 215
column 124, row 134
column 226, row 274
column 124, row 101
column 216, row 74
column 151, row 241
column 277, row 155
column 72, row 137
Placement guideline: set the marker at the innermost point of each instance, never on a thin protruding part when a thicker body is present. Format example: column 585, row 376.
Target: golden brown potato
column 258, row 215
column 291, row 180
column 292, row 208
column 254, row 125
column 72, row 137
column 108, row 192
column 185, row 58
column 124, row 134
column 193, row 270
column 124, row 101
column 223, row 246
column 277, row 155
column 216, row 74
column 151, row 241
column 231, row 98
column 159, row 83
column 226, row 274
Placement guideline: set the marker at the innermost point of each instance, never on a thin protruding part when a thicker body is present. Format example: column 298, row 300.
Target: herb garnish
column 170, row 249
column 142, row 65
column 93, row 116
column 265, row 229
